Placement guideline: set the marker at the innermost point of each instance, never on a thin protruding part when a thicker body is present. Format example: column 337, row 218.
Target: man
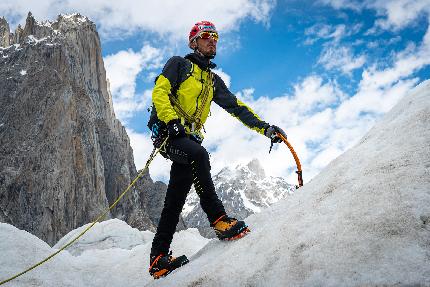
column 181, row 98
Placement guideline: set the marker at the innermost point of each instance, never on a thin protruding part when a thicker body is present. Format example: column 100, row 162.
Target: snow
column 191, row 202
column 45, row 23
column 111, row 254
column 16, row 47
column 248, row 204
column 108, row 234
column 23, row 72
column 359, row 222
column 33, row 40
column 363, row 221
column 75, row 16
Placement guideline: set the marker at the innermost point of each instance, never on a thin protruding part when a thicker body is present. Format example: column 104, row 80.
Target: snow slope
column 110, row 254
column 363, row 221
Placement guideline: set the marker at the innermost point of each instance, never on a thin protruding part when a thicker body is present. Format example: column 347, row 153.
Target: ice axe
column 283, row 137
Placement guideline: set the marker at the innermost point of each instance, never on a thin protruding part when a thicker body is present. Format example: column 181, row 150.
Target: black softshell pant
column 190, row 165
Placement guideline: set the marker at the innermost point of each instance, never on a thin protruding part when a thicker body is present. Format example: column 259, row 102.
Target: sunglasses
column 207, row 35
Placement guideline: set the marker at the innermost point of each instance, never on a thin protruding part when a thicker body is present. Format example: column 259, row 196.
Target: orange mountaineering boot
column 161, row 265
column 228, row 228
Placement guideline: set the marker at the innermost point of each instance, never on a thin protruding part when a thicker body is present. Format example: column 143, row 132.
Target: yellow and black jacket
column 185, row 89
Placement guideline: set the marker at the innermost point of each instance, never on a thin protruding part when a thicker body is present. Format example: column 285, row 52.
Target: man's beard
column 208, row 55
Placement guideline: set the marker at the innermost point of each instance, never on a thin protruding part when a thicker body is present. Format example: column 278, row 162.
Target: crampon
column 228, row 228
column 163, row 265
column 243, row 233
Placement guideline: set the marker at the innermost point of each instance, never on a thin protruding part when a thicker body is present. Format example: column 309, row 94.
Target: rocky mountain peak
column 255, row 167
column 244, row 190
column 4, row 33
column 42, row 31
column 65, row 157
column 30, row 26
column 252, row 169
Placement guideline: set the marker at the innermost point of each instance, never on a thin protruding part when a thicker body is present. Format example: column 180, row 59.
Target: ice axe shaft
column 296, row 158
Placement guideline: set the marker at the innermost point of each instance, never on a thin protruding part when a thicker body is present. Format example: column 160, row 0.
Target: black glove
column 175, row 129
column 272, row 133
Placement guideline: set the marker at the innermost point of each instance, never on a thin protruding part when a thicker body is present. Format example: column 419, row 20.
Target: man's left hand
column 272, row 133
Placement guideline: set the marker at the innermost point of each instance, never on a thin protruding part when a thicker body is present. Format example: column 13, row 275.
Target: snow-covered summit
column 35, row 32
column 74, row 17
column 244, row 190
column 250, row 182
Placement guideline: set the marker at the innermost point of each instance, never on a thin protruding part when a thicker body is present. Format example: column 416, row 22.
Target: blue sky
column 325, row 71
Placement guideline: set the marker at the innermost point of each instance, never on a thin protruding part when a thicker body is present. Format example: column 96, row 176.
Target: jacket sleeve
column 164, row 83
column 229, row 102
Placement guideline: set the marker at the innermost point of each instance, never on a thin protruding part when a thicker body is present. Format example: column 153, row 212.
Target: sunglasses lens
column 207, row 35
column 204, row 35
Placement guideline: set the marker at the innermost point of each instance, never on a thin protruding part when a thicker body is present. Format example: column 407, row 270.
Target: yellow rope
column 103, row 214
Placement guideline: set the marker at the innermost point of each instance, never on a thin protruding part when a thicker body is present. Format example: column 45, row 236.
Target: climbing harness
column 296, row 158
column 154, row 152
column 195, row 119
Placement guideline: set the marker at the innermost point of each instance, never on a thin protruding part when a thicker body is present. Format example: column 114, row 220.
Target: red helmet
column 199, row 27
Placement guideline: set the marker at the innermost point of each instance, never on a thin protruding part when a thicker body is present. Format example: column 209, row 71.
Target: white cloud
column 225, row 77
column 305, row 116
column 122, row 70
column 334, row 56
column 399, row 13
column 15, row 12
column 324, row 158
column 163, row 17
column 324, row 31
column 142, row 148
column 382, row 42
column 313, row 94
column 344, row 4
column 380, row 89
column 394, row 14
column 340, row 58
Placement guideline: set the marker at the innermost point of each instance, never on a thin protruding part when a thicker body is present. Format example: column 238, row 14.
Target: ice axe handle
column 296, row 158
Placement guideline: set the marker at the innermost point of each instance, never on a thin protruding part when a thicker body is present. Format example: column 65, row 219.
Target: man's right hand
column 175, row 129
